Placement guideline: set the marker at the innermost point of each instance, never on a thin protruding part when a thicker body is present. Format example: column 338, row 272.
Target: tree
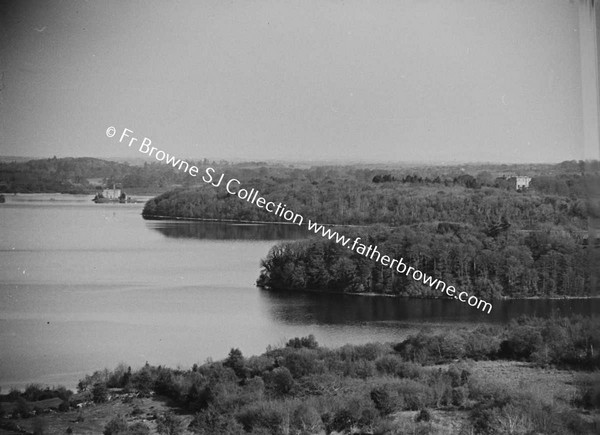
column 281, row 380
column 235, row 361
column 100, row 392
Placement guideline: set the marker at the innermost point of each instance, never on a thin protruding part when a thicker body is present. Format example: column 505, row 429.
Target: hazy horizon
column 272, row 161
column 413, row 81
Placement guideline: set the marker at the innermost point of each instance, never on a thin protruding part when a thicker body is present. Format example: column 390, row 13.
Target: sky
column 385, row 81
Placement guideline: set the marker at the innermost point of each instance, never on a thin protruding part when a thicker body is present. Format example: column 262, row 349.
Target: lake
column 85, row 286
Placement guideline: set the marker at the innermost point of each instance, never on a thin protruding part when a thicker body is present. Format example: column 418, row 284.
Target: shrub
column 458, row 374
column 385, row 427
column 488, row 393
column 317, row 385
column 452, row 346
column 257, row 365
column 199, row 395
column 13, row 395
column 588, row 387
column 388, row 365
column 63, row 393
column 165, row 384
column 265, row 415
column 367, row 352
column 352, row 411
column 118, row 425
column 280, row 381
column 342, row 420
column 254, row 388
column 307, row 342
column 394, row 366
column 427, row 347
column 484, row 419
column 138, row 428
column 545, row 418
column 359, row 369
column 482, row 343
column 383, row 400
column 514, row 420
column 306, row 420
column 522, row 341
column 169, row 424
column 23, row 408
column 441, row 386
column 119, row 377
column 33, row 392
column 421, row 348
column 423, row 415
column 213, row 422
column 460, row 395
column 413, row 395
column 518, row 413
column 217, row 373
column 300, row 364
column 89, row 381
column 143, row 381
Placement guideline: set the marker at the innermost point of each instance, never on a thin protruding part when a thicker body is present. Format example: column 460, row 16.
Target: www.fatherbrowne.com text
column 234, row 187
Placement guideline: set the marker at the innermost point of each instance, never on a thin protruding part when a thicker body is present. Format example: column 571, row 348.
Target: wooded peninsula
column 469, row 226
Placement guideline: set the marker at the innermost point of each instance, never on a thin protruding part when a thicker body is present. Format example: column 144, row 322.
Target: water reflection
column 336, row 309
column 227, row 231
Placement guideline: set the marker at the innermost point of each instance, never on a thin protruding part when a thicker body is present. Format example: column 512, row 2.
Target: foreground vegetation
column 430, row 383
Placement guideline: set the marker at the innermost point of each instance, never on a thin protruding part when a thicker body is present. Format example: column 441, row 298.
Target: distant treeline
column 73, row 175
column 568, row 185
column 505, row 262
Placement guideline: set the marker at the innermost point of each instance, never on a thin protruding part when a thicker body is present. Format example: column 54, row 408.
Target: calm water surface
column 85, row 286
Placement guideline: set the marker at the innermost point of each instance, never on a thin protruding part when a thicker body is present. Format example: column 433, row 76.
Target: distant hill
column 84, row 175
column 18, row 159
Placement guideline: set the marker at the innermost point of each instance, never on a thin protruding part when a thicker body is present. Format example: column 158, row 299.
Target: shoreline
column 388, row 295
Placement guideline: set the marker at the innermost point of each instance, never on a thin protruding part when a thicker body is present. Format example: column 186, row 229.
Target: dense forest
column 355, row 196
column 510, row 263
column 474, row 231
column 429, row 383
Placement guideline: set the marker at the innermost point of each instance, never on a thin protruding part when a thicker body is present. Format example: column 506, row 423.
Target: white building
column 522, row 182
column 111, row 193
